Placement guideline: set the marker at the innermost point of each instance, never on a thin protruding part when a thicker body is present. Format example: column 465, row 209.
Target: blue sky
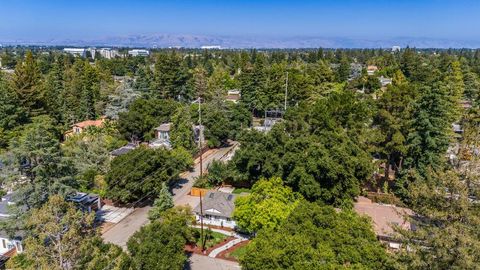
column 35, row 19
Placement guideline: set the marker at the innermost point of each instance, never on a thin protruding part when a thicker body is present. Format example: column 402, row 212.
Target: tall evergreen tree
column 161, row 204
column 54, row 89
column 25, row 82
column 182, row 129
column 456, row 87
column 170, row 77
column 429, row 137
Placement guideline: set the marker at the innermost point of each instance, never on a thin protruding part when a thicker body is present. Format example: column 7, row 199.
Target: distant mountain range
column 197, row 41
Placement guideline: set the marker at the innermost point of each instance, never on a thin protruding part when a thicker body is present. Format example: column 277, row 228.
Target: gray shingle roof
column 221, row 203
column 123, row 150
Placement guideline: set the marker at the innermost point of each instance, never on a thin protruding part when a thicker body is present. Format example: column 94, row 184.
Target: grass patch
column 237, row 253
column 241, row 190
column 212, row 238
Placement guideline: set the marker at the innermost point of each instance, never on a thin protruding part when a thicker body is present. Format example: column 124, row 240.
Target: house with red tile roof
column 79, row 127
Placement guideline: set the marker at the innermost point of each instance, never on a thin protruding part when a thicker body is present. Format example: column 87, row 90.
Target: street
column 121, row 232
column 199, row 262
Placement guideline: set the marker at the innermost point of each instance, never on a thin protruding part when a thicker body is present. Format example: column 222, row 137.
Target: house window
column 4, row 243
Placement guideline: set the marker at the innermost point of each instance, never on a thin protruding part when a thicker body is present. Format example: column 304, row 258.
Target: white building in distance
column 76, row 51
column 108, row 53
column 139, row 52
column 211, row 47
column 396, row 48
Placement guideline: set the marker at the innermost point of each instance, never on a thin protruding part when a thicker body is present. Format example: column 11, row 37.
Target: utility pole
column 200, row 138
column 286, row 92
column 200, row 135
column 201, row 223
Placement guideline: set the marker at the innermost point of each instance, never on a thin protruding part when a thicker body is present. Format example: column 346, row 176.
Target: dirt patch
column 223, row 254
column 192, row 248
column 219, row 227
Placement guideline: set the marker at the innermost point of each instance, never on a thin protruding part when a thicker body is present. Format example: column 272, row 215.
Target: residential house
column 271, row 118
column 457, row 128
column 86, row 202
column 162, row 137
column 124, row 149
column 78, row 128
column 385, row 217
column 217, row 209
column 385, row 81
column 371, row 70
column 233, row 96
column 9, row 244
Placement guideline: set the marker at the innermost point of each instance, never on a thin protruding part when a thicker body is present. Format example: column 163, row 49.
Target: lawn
column 236, row 253
column 213, row 238
column 241, row 190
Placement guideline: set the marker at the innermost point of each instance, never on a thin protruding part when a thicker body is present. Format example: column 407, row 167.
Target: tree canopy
column 141, row 172
column 266, row 207
column 316, row 237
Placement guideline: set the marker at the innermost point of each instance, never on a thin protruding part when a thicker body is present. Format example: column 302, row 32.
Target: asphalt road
column 199, row 262
column 121, row 232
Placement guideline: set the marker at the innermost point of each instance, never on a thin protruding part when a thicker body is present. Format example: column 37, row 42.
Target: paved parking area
column 188, row 200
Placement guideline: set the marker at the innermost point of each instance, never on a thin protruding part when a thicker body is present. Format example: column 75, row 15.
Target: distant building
column 396, row 48
column 233, row 96
column 78, row 128
column 211, row 47
column 385, row 217
column 162, row 136
column 371, row 70
column 139, row 52
column 76, row 51
column 385, row 81
column 108, row 53
column 217, row 209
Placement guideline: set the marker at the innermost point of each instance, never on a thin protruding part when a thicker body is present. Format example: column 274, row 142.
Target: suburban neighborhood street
column 120, row 232
column 199, row 262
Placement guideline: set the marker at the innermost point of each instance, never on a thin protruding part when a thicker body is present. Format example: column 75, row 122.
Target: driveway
column 121, row 232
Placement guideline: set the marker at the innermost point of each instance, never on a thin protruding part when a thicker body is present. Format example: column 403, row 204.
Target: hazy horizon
column 440, row 22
